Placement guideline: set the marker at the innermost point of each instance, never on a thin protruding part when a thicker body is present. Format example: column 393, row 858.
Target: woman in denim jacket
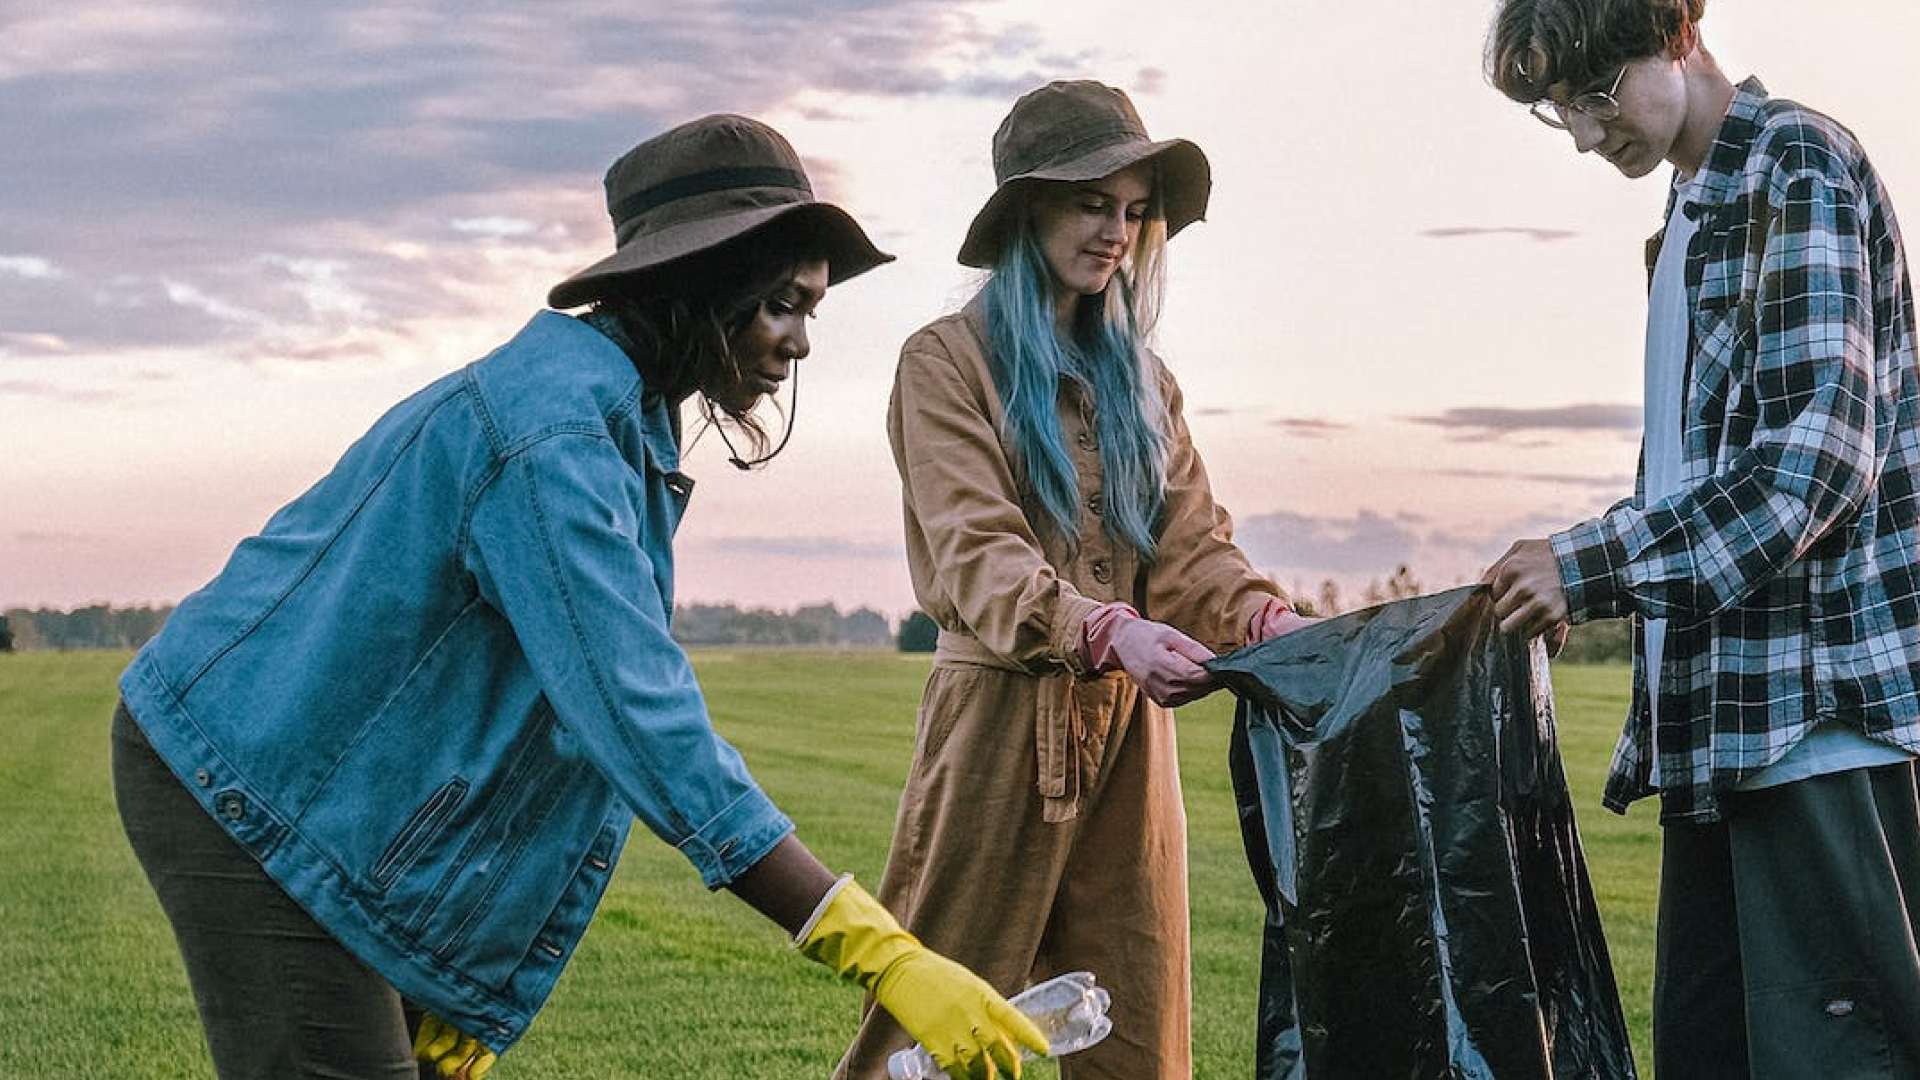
column 380, row 769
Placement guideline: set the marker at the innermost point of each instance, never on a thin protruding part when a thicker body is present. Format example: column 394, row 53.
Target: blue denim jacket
column 432, row 694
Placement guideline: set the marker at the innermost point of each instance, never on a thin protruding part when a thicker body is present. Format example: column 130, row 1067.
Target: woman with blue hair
column 1061, row 531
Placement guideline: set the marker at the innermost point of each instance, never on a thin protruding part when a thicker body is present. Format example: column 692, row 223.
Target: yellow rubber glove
column 969, row 1028
column 453, row 1054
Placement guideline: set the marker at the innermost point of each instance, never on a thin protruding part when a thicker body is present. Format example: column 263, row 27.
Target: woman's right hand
column 970, row 1030
column 1162, row 660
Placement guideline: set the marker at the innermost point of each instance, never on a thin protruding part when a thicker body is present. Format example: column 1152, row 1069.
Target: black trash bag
column 1429, row 915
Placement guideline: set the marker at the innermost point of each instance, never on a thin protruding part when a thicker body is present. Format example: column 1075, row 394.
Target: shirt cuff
column 735, row 839
column 1592, row 563
column 1069, row 632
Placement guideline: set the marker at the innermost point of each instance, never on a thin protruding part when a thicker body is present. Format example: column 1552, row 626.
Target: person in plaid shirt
column 1767, row 556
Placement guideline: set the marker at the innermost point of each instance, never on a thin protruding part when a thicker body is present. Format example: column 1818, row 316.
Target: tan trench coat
column 1041, row 829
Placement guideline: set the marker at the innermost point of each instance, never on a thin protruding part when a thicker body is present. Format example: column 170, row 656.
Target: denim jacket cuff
column 732, row 841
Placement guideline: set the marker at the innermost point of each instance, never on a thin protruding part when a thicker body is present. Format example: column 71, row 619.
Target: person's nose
column 1113, row 226
column 797, row 344
column 1586, row 131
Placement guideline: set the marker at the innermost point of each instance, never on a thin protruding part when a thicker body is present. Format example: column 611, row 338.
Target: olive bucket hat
column 703, row 184
column 1073, row 132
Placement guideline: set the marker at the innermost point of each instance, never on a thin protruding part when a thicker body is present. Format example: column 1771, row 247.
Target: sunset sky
column 231, row 234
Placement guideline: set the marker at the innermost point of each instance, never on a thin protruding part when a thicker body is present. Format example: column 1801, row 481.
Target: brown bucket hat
column 1073, row 132
column 702, row 184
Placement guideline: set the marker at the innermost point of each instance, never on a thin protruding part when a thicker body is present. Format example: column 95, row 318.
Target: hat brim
column 848, row 251
column 1186, row 180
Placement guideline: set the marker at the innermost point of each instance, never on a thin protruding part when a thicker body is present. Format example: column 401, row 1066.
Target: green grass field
column 671, row 980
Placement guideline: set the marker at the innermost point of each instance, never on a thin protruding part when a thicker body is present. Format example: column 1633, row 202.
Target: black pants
column 1786, row 944
column 279, row 998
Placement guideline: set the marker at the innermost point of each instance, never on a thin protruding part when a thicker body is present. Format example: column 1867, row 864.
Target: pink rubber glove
column 1164, row 661
column 1276, row 618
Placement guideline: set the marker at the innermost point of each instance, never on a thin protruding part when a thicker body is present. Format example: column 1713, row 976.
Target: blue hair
column 1106, row 355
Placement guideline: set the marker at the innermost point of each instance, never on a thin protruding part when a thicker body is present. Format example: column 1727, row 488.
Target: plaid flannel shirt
column 1788, row 567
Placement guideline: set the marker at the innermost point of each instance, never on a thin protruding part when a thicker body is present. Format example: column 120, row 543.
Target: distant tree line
column 919, row 633
column 814, row 624
column 1326, row 600
column 101, row 626
column 97, row 626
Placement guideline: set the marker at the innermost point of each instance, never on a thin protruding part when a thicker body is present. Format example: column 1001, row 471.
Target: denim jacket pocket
column 432, row 825
column 419, row 829
column 489, row 903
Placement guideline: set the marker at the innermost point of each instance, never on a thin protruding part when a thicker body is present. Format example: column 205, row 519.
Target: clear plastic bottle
column 1068, row 1009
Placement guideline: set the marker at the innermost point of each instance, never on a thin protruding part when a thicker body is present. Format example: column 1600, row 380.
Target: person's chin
column 1633, row 164
column 1093, row 284
column 738, row 403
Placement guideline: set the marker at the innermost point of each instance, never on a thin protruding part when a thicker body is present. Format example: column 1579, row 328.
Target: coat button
column 1085, row 440
column 1094, row 503
column 1102, row 571
column 1840, row 1007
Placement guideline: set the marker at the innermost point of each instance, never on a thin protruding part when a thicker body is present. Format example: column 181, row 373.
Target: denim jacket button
column 202, row 777
column 232, row 805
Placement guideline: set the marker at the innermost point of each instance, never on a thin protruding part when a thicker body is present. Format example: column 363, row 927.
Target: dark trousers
column 1786, row 944
column 279, row 998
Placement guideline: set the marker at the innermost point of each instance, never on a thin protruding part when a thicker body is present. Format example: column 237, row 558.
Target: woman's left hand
column 1275, row 619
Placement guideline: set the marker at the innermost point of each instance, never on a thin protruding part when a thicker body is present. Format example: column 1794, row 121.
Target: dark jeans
column 279, row 998
column 1787, row 934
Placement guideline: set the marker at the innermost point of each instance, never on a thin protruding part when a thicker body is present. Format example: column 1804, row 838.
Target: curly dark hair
column 1535, row 45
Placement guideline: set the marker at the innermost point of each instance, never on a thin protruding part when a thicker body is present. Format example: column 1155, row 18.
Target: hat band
column 705, row 183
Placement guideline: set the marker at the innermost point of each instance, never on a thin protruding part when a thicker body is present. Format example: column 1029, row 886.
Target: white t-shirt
column 1663, row 395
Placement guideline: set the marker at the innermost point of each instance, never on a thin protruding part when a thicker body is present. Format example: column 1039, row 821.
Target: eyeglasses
column 1599, row 104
